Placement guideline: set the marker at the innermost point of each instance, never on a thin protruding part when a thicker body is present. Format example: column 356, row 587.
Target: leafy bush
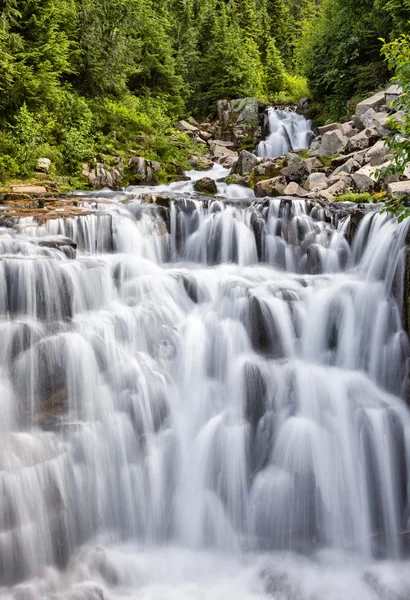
column 294, row 88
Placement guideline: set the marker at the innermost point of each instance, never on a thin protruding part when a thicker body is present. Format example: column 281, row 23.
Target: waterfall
column 202, row 401
column 287, row 131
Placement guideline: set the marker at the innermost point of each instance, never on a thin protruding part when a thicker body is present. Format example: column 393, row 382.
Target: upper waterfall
column 204, row 381
column 287, row 131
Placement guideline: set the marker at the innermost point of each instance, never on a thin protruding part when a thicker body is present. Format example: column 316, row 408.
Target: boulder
column 252, row 133
column 350, row 166
column 316, row 182
column 303, row 106
column 393, row 92
column 295, row 172
column 333, row 142
column 375, row 102
column 314, row 147
column 362, row 182
column 377, row 154
column 228, row 162
column 99, row 177
column 236, row 112
column 348, row 129
column 399, row 187
column 366, row 119
column 293, row 189
column 268, row 168
column 362, row 140
column 291, row 158
column 270, row 187
column 43, row 164
column 220, row 151
column 331, row 127
column 200, row 162
column 338, row 188
column 206, row 185
column 187, row 127
column 357, row 156
column 246, row 162
column 312, row 164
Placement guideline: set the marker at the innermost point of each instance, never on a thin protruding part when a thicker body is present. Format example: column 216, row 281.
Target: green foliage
column 339, row 50
column 293, row 89
column 397, row 56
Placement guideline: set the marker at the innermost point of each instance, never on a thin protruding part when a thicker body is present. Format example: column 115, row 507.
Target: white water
column 217, row 173
column 204, row 404
column 287, row 131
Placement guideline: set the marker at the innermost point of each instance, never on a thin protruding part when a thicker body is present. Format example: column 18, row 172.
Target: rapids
column 203, row 402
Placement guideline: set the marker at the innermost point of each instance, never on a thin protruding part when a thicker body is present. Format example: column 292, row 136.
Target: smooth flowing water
column 204, row 404
column 287, row 131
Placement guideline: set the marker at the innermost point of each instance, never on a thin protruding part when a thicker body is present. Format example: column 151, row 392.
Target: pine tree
column 274, row 69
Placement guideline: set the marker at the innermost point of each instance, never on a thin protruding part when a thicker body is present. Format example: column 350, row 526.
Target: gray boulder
column 375, row 102
column 362, row 182
column 187, row 127
column 316, row 182
column 270, row 187
column 246, row 162
column 296, row 172
column 350, row 166
column 312, row 164
column 294, row 189
column 363, row 140
column 378, row 154
column 333, row 142
column 331, row 127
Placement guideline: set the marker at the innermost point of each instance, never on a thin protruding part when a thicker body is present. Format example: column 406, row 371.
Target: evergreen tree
column 274, row 70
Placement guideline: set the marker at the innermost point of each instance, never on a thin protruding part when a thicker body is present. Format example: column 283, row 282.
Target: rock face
column 239, row 119
column 316, row 182
column 144, row 171
column 206, row 185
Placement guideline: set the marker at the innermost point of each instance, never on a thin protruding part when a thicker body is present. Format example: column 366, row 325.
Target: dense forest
column 101, row 78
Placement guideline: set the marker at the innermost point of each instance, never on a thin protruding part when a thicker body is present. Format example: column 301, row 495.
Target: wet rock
column 206, row 185
column 246, row 163
column 65, row 244
column 303, row 106
column 270, row 187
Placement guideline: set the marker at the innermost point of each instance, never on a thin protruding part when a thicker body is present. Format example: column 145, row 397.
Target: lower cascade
column 203, row 400
column 288, row 131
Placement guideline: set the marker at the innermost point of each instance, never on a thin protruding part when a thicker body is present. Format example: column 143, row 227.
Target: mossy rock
column 206, row 185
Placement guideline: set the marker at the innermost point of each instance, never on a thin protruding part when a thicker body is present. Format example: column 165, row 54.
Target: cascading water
column 204, row 403
column 287, row 131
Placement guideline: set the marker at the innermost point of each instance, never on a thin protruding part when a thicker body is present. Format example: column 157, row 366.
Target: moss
column 363, row 198
column 327, row 160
